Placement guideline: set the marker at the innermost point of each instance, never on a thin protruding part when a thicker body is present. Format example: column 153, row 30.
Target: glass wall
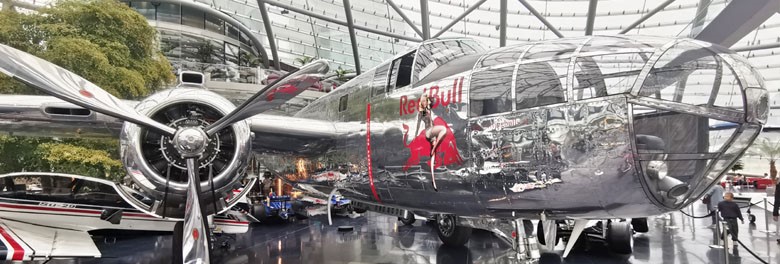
column 197, row 41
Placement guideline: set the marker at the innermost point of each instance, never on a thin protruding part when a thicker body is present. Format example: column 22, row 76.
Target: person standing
column 715, row 197
column 729, row 211
column 776, row 205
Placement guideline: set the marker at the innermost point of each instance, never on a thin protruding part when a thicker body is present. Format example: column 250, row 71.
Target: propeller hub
column 190, row 141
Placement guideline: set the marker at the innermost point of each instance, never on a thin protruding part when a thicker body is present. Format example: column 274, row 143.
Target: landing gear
column 619, row 237
column 408, row 219
column 450, row 233
column 541, row 236
column 640, row 225
column 178, row 234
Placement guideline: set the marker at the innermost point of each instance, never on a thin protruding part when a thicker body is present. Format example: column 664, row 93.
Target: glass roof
column 298, row 35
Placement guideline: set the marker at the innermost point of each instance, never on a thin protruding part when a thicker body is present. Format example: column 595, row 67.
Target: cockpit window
column 434, row 54
column 540, row 83
column 378, row 84
column 491, row 92
column 401, row 72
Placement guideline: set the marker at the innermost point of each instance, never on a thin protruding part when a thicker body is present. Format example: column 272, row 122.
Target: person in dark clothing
column 776, row 205
column 729, row 211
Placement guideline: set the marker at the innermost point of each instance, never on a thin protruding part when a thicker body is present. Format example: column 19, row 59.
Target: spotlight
column 673, row 187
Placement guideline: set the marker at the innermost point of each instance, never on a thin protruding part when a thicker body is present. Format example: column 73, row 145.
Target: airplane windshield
column 431, row 55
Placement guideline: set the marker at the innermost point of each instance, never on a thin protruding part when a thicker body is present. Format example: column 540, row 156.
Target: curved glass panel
column 612, row 44
column 431, row 55
column 552, row 50
column 540, row 83
column 607, row 74
column 695, row 75
column 490, row 91
column 503, row 55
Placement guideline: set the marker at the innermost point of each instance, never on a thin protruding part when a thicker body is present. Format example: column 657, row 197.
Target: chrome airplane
column 601, row 128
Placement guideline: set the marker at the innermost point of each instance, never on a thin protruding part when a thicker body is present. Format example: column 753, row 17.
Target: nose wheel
column 450, row 233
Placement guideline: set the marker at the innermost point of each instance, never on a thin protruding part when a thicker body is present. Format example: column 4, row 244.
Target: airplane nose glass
column 694, row 118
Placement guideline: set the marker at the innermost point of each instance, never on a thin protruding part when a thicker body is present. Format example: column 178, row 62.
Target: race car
column 274, row 206
column 755, row 182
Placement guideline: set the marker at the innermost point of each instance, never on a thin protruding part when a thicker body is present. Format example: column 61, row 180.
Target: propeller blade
column 195, row 247
column 273, row 94
column 68, row 86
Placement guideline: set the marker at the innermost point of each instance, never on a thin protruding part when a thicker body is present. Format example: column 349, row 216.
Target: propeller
column 190, row 141
column 68, row 86
column 273, row 94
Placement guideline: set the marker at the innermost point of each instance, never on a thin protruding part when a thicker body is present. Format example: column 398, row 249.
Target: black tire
column 540, row 233
column 640, row 225
column 407, row 220
column 359, row 210
column 619, row 237
column 752, row 218
column 450, row 233
column 258, row 211
column 176, row 243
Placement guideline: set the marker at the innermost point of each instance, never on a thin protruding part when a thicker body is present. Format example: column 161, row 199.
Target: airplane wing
column 47, row 116
column 22, row 241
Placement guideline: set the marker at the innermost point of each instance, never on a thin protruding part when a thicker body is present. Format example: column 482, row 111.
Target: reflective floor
column 381, row 239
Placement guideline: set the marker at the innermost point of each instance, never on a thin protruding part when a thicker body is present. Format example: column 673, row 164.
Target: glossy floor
column 381, row 239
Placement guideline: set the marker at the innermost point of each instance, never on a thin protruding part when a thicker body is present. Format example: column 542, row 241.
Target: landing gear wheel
column 408, row 220
column 640, row 225
column 178, row 235
column 752, row 218
column 359, row 210
column 619, row 237
column 450, row 233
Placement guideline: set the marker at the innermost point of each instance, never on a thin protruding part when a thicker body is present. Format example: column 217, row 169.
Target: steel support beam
column 338, row 22
column 541, row 18
column 426, row 25
column 701, row 15
column 352, row 36
column 757, row 47
column 502, row 25
column 401, row 13
column 270, row 33
column 591, row 17
column 460, row 17
column 646, row 16
column 737, row 19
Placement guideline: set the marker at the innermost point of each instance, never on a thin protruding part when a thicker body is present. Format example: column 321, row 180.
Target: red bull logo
column 440, row 98
column 446, row 152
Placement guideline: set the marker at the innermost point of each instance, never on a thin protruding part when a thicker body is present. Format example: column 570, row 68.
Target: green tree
column 739, row 165
column 91, row 157
column 770, row 150
column 341, row 74
column 104, row 41
column 248, row 59
column 304, row 60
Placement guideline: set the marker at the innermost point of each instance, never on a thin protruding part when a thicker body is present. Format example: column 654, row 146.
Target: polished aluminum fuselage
column 576, row 158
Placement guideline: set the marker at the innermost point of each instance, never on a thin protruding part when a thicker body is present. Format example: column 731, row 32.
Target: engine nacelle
column 156, row 167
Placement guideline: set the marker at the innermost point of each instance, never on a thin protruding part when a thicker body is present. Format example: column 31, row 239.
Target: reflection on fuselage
column 592, row 131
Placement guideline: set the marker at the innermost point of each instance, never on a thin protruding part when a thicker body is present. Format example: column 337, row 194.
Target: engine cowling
column 156, row 167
